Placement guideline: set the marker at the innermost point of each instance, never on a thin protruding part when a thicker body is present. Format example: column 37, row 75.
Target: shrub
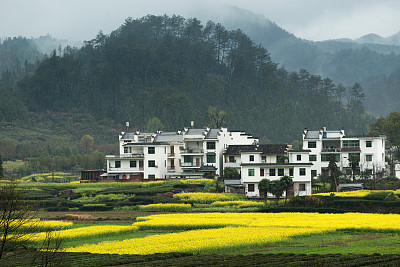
column 392, row 197
column 238, row 204
column 95, row 207
column 306, row 201
column 380, row 195
column 206, row 198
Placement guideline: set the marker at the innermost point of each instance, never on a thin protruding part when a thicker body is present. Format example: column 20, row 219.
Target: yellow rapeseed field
column 234, row 230
column 357, row 193
column 85, row 232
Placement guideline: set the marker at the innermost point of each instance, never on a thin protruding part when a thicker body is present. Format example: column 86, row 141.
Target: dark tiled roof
column 264, row 149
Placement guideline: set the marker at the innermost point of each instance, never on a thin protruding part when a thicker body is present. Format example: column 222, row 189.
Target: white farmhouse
column 259, row 162
column 191, row 153
column 323, row 143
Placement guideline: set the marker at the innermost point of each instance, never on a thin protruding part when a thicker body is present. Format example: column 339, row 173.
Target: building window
column 281, row 172
column 188, row 159
column 231, row 159
column 263, row 158
column 152, row 176
column 351, row 143
column 117, row 164
column 127, row 150
column 291, row 172
column 302, row 187
column 151, row 150
column 132, row 163
column 210, row 158
column 251, row 158
column 298, row 157
column 151, row 163
column 312, row 157
column 326, row 157
column 210, row 145
column 302, row 171
column 368, row 171
column 250, row 188
column 313, row 173
column 312, row 144
column 251, row 172
column 368, row 143
column 271, row 172
column 368, row 157
column 261, row 172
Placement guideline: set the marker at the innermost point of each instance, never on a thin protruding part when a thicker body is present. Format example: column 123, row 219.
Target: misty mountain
column 16, row 52
column 377, row 39
column 175, row 69
column 345, row 61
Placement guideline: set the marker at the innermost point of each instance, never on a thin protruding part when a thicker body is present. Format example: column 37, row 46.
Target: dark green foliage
column 149, row 191
column 95, row 207
column 231, row 174
column 373, row 203
column 174, row 69
column 377, row 195
column 145, row 200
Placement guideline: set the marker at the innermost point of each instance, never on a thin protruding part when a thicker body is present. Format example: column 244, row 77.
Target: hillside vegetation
column 174, row 69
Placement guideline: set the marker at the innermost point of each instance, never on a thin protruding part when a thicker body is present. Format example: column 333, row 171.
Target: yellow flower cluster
column 166, row 207
column 357, row 193
column 235, row 230
column 86, row 232
column 43, row 224
column 238, row 204
column 203, row 197
column 193, row 241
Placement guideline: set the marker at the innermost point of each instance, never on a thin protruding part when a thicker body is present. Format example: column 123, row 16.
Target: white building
column 257, row 162
column 184, row 154
column 323, row 143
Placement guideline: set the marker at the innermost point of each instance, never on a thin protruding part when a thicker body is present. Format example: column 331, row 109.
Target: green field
column 118, row 204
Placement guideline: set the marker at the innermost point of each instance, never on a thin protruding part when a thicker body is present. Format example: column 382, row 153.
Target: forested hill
column 174, row 69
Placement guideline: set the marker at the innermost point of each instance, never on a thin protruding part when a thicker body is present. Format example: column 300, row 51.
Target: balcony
column 128, row 170
column 171, row 155
column 192, row 151
column 349, row 149
column 232, row 164
column 126, row 156
column 331, row 150
column 190, row 164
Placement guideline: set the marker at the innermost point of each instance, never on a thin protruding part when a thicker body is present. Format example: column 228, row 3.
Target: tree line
column 174, row 69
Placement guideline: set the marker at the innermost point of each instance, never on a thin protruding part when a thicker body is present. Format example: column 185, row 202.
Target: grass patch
column 342, row 241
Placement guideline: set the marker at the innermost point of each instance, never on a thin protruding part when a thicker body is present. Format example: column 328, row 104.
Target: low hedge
column 145, row 200
column 95, row 207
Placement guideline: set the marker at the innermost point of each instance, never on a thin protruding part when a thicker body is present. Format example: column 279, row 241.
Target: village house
column 191, row 153
column 321, row 144
column 267, row 161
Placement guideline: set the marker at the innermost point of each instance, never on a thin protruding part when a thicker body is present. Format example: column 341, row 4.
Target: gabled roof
column 312, row 135
column 191, row 131
column 212, row 134
column 264, row 149
column 168, row 137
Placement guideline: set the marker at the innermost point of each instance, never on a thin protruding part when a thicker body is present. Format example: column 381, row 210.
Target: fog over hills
column 364, row 60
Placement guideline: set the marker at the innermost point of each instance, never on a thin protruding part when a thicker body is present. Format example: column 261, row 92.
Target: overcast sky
column 78, row 20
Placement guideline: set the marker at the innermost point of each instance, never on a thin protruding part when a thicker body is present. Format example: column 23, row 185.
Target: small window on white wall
column 250, row 187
